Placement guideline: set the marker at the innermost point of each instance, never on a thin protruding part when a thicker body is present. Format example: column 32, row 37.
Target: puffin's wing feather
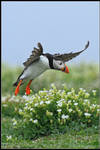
column 69, row 56
column 34, row 56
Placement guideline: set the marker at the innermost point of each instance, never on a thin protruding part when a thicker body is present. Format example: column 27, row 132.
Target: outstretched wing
column 35, row 55
column 69, row 56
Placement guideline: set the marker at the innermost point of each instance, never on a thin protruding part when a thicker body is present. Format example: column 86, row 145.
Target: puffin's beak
column 65, row 69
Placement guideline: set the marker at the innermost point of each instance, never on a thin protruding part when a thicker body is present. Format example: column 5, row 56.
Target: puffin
column 39, row 62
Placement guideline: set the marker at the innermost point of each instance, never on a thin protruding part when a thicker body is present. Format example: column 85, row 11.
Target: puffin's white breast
column 36, row 68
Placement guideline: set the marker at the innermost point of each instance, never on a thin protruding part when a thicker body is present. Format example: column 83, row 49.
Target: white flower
column 94, row 105
column 52, row 85
column 46, row 91
column 17, row 100
column 87, row 114
column 26, row 104
column 13, row 119
column 47, row 102
column 69, row 101
column 25, row 108
column 31, row 119
column 25, row 97
column 20, row 110
column 41, row 102
column 13, row 96
column 68, row 93
column 61, row 100
column 98, row 110
column 75, row 104
column 4, row 99
column 87, row 94
column 36, row 104
column 60, row 104
column 94, row 91
column 31, row 101
column 59, row 110
column 11, row 99
column 41, row 91
column 85, row 100
column 14, row 123
column 9, row 137
column 33, row 96
column 84, row 90
column 35, row 121
column 5, row 105
column 65, row 116
column 81, row 89
column 31, row 109
column 50, row 91
column 70, row 110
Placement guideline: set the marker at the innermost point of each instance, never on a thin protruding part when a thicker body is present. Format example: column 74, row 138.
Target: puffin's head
column 60, row 65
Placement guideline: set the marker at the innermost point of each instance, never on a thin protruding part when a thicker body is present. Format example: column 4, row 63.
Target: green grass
column 88, row 138
column 81, row 76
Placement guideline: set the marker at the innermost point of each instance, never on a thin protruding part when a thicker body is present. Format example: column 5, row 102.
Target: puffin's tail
column 18, row 79
column 15, row 84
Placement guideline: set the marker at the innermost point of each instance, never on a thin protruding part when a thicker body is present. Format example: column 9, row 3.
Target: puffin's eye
column 60, row 63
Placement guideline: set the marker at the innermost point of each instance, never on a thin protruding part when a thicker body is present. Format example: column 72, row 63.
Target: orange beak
column 65, row 69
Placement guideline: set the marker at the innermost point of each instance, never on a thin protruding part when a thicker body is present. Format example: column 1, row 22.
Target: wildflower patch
column 56, row 110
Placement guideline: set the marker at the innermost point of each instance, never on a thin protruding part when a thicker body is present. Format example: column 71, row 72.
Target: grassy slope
column 88, row 138
column 85, row 76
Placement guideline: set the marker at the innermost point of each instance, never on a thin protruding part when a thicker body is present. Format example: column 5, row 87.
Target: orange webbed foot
column 27, row 91
column 16, row 91
column 17, row 88
column 27, row 88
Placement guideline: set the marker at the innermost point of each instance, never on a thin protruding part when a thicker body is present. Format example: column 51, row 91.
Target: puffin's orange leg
column 17, row 88
column 28, row 88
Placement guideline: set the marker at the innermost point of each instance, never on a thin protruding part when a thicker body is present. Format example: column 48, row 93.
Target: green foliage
column 81, row 75
column 9, row 76
column 11, row 105
column 55, row 111
column 73, row 111
column 83, row 139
